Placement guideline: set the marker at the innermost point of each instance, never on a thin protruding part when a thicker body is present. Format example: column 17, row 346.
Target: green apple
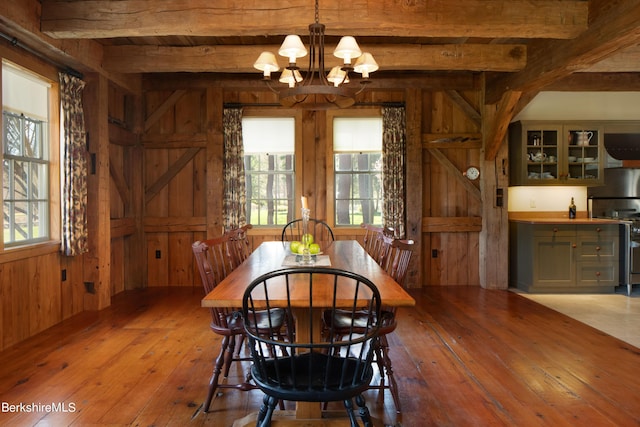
column 314, row 248
column 301, row 248
column 307, row 238
column 293, row 246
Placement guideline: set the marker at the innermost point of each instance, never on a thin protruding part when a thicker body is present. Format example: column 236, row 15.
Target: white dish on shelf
column 572, row 158
column 588, row 159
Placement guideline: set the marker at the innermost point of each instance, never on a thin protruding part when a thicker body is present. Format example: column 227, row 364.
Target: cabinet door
column 553, row 259
column 560, row 153
column 541, row 155
column 584, row 160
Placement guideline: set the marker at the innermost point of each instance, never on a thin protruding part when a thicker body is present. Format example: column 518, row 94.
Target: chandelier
column 330, row 90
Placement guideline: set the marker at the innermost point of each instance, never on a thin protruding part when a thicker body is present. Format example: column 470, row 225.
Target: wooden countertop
column 566, row 220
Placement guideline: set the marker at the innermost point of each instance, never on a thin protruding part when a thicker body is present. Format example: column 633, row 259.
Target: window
column 357, row 163
column 269, row 161
column 25, row 156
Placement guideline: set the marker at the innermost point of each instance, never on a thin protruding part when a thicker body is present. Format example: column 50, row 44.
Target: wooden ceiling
column 522, row 45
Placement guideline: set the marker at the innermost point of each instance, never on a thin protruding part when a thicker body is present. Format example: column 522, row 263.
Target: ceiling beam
column 496, row 128
column 612, row 31
column 240, row 59
column 435, row 18
column 18, row 20
column 590, row 82
column 627, row 61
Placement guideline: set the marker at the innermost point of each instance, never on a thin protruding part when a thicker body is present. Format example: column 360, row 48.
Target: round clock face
column 472, row 173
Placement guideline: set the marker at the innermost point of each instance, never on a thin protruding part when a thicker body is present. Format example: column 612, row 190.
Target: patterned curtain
column 74, row 167
column 235, row 209
column 393, row 169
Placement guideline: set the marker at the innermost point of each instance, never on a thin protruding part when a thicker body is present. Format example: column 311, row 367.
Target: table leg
column 308, row 410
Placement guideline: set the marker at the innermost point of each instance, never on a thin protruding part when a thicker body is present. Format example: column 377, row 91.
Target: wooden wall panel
column 72, row 289
column 185, row 194
column 157, row 268
column 456, row 254
column 117, row 163
column 118, row 251
column 183, row 189
column 31, row 297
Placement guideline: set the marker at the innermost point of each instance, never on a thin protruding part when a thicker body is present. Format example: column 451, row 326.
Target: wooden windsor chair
column 306, row 366
column 216, row 258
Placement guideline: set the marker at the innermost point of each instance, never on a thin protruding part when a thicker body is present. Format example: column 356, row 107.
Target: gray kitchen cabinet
column 556, row 153
column 564, row 257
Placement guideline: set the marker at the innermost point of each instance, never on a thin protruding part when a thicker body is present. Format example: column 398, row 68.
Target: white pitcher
column 584, row 137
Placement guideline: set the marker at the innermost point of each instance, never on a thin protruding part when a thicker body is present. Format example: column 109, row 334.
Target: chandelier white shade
column 317, row 89
column 347, row 48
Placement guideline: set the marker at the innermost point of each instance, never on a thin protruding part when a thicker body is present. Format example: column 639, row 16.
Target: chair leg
column 230, row 355
column 364, row 411
column 386, row 360
column 348, row 404
column 217, row 369
column 266, row 411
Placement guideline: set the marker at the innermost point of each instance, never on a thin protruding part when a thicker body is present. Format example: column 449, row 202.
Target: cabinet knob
column 598, row 273
column 573, row 245
column 555, row 229
column 597, row 248
column 598, row 229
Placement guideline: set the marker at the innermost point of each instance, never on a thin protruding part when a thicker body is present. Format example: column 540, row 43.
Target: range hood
column 622, row 146
column 618, row 183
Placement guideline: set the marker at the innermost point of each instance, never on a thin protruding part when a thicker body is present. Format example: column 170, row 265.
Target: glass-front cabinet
column 562, row 153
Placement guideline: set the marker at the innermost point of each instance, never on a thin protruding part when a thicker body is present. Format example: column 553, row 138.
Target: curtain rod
column 16, row 43
column 357, row 104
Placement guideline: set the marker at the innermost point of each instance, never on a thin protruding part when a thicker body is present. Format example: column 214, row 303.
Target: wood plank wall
column 175, row 215
column 451, row 213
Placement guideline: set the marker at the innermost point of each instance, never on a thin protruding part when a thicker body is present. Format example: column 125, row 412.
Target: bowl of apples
column 298, row 247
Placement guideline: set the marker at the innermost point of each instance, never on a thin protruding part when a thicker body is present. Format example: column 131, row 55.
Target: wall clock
column 472, row 173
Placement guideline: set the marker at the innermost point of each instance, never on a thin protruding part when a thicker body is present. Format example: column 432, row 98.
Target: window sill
column 23, row 252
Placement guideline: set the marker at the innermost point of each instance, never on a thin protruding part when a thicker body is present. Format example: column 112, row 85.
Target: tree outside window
column 357, row 145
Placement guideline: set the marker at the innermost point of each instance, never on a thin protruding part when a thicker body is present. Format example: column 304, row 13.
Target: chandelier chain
column 317, row 13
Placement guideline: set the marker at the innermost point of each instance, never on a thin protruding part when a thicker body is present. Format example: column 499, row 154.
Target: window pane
column 32, row 139
column 20, row 185
column 7, row 171
column 39, row 187
column 39, row 223
column 20, row 229
column 12, row 135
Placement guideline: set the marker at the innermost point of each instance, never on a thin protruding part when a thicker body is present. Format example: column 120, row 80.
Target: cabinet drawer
column 604, row 249
column 593, row 231
column 597, row 274
column 560, row 230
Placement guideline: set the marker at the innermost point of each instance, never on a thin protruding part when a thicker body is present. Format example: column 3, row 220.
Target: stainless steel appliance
column 619, row 198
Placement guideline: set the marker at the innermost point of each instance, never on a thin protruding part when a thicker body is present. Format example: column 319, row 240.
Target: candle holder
column 306, row 253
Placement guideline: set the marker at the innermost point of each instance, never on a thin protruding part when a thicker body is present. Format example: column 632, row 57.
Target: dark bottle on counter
column 572, row 209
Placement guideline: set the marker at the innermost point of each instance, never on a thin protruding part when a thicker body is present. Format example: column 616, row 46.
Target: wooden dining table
column 270, row 256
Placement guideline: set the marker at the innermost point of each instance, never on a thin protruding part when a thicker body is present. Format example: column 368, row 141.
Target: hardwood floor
column 463, row 357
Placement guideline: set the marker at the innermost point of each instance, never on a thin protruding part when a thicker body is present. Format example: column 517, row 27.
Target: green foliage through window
column 270, row 188
column 358, row 188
